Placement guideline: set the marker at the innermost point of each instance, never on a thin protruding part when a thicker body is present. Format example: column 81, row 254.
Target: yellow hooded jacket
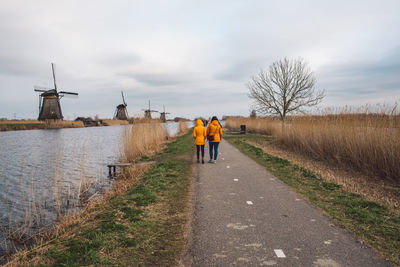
column 199, row 133
column 215, row 129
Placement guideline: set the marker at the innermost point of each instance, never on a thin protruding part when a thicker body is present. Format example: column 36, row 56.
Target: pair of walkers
column 214, row 136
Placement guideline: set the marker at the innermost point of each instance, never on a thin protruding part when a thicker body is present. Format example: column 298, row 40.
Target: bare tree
column 287, row 86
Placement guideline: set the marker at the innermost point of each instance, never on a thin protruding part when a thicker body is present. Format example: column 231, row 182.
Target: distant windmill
column 162, row 115
column 121, row 113
column 147, row 112
column 49, row 101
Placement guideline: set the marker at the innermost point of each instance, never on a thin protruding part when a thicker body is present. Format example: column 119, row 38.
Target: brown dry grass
column 145, row 120
column 19, row 121
column 35, row 124
column 183, row 128
column 142, row 140
column 115, row 122
column 356, row 182
column 363, row 141
column 70, row 223
column 366, row 142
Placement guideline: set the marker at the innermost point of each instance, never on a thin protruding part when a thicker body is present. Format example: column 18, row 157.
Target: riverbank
column 17, row 125
column 377, row 224
column 142, row 221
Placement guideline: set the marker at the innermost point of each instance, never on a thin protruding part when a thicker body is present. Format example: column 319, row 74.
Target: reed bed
column 19, row 121
column 362, row 139
column 144, row 120
column 45, row 203
column 182, row 128
column 267, row 126
column 8, row 125
column 114, row 122
column 141, row 140
column 24, row 257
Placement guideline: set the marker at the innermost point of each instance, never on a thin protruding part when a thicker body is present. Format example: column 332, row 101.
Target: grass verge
column 142, row 226
column 374, row 223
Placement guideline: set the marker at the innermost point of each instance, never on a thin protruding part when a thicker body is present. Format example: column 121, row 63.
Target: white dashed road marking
column 249, row 202
column 228, row 167
column 279, row 253
column 236, row 180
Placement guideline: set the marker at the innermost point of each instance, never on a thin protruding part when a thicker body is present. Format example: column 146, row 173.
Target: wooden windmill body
column 49, row 101
column 163, row 118
column 121, row 113
column 147, row 112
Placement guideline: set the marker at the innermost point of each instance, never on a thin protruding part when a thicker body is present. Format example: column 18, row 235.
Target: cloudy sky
column 194, row 57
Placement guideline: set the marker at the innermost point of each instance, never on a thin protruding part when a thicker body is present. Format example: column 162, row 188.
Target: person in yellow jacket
column 214, row 135
column 199, row 134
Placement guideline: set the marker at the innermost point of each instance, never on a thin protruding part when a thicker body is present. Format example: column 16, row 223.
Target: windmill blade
column 67, row 93
column 41, row 89
column 123, row 99
column 53, row 66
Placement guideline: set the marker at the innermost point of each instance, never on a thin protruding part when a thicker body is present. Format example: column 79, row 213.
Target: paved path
column 244, row 216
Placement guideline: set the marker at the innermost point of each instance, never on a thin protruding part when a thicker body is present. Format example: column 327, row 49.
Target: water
column 43, row 171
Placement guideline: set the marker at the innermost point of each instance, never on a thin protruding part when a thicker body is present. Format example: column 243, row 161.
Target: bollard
column 242, row 129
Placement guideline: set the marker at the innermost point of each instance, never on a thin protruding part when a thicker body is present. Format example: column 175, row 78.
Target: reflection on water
column 46, row 172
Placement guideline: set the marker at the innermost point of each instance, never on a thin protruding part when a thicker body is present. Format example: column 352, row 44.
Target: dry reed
column 362, row 139
column 142, row 140
column 68, row 222
column 114, row 122
column 183, row 127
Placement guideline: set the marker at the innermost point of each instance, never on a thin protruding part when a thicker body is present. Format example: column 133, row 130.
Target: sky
column 193, row 57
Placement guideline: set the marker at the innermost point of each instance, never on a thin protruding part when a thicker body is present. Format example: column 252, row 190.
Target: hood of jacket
column 199, row 123
column 215, row 123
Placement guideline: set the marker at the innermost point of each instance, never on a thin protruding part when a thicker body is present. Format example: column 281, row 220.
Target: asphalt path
column 244, row 216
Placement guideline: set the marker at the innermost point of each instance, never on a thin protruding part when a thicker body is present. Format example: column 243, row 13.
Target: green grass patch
column 376, row 224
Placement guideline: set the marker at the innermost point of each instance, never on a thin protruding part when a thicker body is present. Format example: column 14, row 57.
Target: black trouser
column 198, row 151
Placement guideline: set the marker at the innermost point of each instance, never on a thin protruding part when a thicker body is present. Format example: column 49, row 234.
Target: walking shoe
column 198, row 161
column 210, row 161
column 202, row 161
column 214, row 161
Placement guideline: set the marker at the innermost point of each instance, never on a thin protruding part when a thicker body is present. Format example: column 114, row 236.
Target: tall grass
column 183, row 127
column 114, row 122
column 141, row 140
column 41, row 204
column 363, row 139
column 8, row 125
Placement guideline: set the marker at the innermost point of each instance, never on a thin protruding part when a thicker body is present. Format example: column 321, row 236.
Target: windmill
column 162, row 115
column 49, row 101
column 121, row 113
column 147, row 112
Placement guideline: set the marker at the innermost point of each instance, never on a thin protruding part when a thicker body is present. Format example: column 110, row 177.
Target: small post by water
column 113, row 166
column 243, row 129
